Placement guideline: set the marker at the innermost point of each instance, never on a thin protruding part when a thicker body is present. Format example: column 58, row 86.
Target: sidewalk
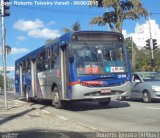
column 23, row 120
column 1, row 93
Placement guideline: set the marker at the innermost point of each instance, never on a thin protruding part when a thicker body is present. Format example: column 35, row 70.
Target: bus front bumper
column 84, row 92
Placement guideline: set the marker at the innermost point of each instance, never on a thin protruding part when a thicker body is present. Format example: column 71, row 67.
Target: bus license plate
column 105, row 91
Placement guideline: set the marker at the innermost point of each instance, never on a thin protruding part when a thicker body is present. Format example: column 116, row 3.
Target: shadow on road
column 12, row 117
column 138, row 100
column 47, row 134
column 14, row 107
column 84, row 106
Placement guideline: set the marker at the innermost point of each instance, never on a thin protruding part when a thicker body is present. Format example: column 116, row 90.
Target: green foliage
column 8, row 49
column 48, row 41
column 157, row 59
column 141, row 59
column 1, row 81
column 144, row 60
column 66, row 30
column 120, row 10
column 75, row 27
column 132, row 49
column 128, row 43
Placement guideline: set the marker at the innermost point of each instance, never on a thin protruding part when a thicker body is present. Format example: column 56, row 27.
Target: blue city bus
column 84, row 65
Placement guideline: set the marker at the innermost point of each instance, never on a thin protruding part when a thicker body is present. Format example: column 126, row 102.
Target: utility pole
column 132, row 52
column 4, row 54
column 4, row 12
column 151, row 41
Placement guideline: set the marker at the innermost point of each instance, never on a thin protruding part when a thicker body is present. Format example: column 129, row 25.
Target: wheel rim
column 121, row 98
column 145, row 97
column 56, row 97
column 27, row 96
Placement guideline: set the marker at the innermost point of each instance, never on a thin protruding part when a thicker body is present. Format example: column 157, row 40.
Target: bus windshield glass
column 99, row 57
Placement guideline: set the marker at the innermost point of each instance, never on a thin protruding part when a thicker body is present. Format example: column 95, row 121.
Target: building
column 142, row 33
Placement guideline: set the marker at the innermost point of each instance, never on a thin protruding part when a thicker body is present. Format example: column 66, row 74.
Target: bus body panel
column 51, row 78
column 83, row 92
column 40, row 83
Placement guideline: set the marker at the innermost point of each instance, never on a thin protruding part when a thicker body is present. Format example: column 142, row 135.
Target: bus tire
column 26, row 94
column 105, row 102
column 146, row 97
column 122, row 98
column 56, row 102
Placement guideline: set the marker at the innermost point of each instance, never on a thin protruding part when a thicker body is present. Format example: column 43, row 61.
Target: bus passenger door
column 33, row 78
column 63, row 63
column 21, row 81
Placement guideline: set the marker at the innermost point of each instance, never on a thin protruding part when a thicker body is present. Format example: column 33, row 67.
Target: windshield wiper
column 101, row 56
column 86, row 45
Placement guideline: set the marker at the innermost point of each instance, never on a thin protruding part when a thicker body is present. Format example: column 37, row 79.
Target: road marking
column 45, row 111
column 90, row 127
column 153, row 108
column 62, row 117
column 19, row 101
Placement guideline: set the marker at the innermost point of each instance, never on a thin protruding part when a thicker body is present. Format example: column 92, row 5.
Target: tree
column 75, row 27
column 8, row 49
column 48, row 41
column 132, row 48
column 143, row 60
column 1, row 81
column 120, row 10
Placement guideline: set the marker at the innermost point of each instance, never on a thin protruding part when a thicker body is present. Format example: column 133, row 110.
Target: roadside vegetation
column 141, row 58
column 117, row 11
column 1, row 81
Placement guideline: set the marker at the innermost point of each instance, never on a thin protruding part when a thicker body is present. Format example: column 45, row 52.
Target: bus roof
column 65, row 37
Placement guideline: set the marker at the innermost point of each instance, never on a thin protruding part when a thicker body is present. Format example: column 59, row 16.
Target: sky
column 29, row 26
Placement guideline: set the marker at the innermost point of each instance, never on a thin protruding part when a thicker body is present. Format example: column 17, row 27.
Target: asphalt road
column 30, row 120
column 128, row 116
column 118, row 116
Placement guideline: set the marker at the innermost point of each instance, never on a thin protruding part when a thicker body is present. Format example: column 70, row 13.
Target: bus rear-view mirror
column 71, row 59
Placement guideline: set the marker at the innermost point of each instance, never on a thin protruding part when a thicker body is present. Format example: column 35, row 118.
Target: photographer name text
column 50, row 3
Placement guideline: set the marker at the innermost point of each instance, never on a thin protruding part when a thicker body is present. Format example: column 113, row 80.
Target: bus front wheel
column 56, row 99
column 26, row 94
column 104, row 102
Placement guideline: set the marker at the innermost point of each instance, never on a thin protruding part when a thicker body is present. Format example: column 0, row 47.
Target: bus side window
column 49, row 58
column 40, row 63
column 28, row 66
column 24, row 66
column 54, row 56
column 17, row 69
column 46, row 60
column 43, row 61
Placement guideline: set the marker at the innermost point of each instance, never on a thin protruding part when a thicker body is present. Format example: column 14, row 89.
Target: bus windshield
column 99, row 58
